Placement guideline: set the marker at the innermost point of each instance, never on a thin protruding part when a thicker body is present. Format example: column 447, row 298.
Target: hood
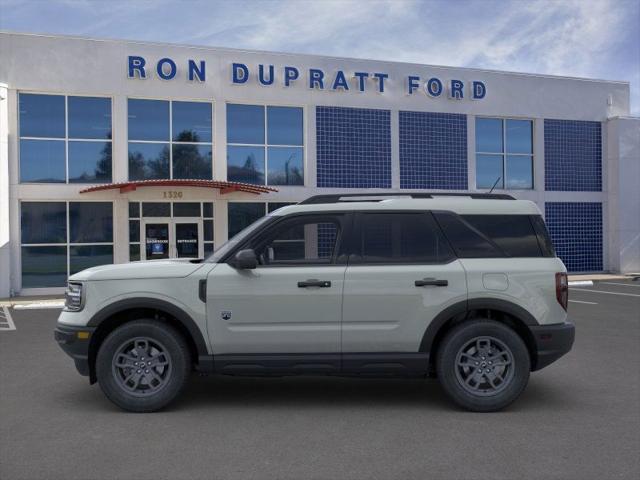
column 175, row 268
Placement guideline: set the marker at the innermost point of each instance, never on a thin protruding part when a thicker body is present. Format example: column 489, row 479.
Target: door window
column 187, row 241
column 393, row 238
column 305, row 241
column 157, row 240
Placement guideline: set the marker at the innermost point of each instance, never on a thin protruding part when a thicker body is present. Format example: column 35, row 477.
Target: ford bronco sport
column 465, row 287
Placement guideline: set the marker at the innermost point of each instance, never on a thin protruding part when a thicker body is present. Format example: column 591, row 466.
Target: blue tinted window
column 242, row 215
column 284, row 126
column 44, row 267
column 191, row 122
column 488, row 171
column 41, row 115
column 87, row 256
column 245, row 164
column 285, row 166
column 156, row 209
column 148, row 120
column 43, row 222
column 192, row 161
column 89, row 162
column 134, row 230
column 148, row 160
column 245, row 124
column 42, row 161
column 90, row 222
column 89, row 117
column 519, row 172
column 208, row 230
column 518, row 136
column 489, row 135
column 207, row 210
column 134, row 252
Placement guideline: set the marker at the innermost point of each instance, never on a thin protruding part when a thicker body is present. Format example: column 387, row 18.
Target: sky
column 579, row 38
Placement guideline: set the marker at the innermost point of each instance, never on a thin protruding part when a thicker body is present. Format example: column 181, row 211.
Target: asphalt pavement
column 578, row 419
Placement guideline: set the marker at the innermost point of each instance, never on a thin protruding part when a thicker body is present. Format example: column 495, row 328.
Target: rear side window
column 544, row 240
column 513, row 234
column 467, row 241
column 398, row 238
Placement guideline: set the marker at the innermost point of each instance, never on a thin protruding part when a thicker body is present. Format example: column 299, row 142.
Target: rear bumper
column 552, row 342
column 74, row 345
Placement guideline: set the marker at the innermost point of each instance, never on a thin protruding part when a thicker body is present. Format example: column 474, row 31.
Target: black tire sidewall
column 446, row 364
column 177, row 349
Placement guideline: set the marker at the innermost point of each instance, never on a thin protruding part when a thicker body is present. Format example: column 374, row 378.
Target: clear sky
column 583, row 38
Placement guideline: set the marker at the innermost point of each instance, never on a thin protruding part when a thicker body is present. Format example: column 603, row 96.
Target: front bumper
column 75, row 343
column 552, row 342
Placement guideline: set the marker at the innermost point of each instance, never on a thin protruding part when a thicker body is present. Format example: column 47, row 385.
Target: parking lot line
column 602, row 291
column 580, row 301
column 6, row 322
column 623, row 284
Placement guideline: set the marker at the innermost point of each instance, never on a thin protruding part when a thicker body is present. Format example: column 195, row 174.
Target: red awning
column 224, row 187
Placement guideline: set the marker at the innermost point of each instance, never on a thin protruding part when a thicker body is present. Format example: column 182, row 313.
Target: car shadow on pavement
column 313, row 392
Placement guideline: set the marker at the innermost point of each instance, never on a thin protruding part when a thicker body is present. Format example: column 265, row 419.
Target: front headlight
column 73, row 297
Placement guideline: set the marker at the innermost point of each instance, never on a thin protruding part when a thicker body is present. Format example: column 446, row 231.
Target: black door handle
column 431, row 282
column 314, row 283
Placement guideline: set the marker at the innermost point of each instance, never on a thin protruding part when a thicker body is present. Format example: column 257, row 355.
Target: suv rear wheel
column 143, row 365
column 483, row 365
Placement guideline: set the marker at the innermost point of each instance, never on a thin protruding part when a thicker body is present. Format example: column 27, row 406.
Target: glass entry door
column 188, row 238
column 156, row 239
column 172, row 238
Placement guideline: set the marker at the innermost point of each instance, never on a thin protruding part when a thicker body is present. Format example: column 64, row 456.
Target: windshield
column 230, row 244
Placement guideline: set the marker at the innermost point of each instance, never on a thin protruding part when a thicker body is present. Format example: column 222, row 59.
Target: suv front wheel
column 143, row 365
column 483, row 365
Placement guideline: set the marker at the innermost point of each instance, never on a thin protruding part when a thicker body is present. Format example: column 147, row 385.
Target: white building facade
column 112, row 151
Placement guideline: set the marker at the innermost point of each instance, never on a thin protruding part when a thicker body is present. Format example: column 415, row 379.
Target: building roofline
column 314, row 55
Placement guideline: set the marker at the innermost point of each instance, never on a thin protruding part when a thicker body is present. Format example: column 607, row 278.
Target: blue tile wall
column 572, row 155
column 433, row 150
column 353, row 147
column 576, row 231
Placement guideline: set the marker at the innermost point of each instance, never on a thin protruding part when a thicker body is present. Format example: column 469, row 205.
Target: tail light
column 562, row 289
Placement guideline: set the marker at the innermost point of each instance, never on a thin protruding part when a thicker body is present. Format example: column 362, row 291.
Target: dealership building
column 113, row 151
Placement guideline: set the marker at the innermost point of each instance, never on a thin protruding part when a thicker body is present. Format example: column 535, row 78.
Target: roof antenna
column 494, row 184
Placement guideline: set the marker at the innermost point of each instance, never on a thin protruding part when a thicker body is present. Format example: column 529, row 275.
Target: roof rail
column 379, row 196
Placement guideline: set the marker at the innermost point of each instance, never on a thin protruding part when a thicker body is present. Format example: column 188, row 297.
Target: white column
column 623, row 206
column 5, row 244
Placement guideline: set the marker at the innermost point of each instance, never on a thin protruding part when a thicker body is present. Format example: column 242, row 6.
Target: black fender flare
column 153, row 303
column 464, row 307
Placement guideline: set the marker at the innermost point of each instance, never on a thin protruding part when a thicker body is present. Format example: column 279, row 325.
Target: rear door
column 402, row 275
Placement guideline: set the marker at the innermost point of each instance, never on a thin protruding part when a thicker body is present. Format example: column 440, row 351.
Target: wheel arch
column 123, row 311
column 502, row 311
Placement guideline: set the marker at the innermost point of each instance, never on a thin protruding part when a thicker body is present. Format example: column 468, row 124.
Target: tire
column 483, row 365
column 165, row 359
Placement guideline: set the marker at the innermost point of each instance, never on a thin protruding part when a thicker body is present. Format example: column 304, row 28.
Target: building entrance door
column 172, row 238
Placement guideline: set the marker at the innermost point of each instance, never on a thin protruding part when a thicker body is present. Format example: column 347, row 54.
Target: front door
column 286, row 313
column 172, row 238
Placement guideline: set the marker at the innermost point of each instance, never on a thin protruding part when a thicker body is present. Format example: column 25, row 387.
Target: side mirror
column 245, row 260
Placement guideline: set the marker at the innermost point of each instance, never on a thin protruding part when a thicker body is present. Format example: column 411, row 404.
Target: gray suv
column 466, row 288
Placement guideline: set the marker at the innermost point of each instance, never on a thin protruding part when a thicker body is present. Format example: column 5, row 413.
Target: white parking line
column 39, row 305
column 608, row 293
column 7, row 323
column 580, row 301
column 623, row 284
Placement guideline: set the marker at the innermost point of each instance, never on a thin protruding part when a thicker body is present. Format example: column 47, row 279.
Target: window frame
column 266, row 145
column 355, row 256
column 341, row 249
column 170, row 142
column 504, row 154
column 66, row 244
column 66, row 138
